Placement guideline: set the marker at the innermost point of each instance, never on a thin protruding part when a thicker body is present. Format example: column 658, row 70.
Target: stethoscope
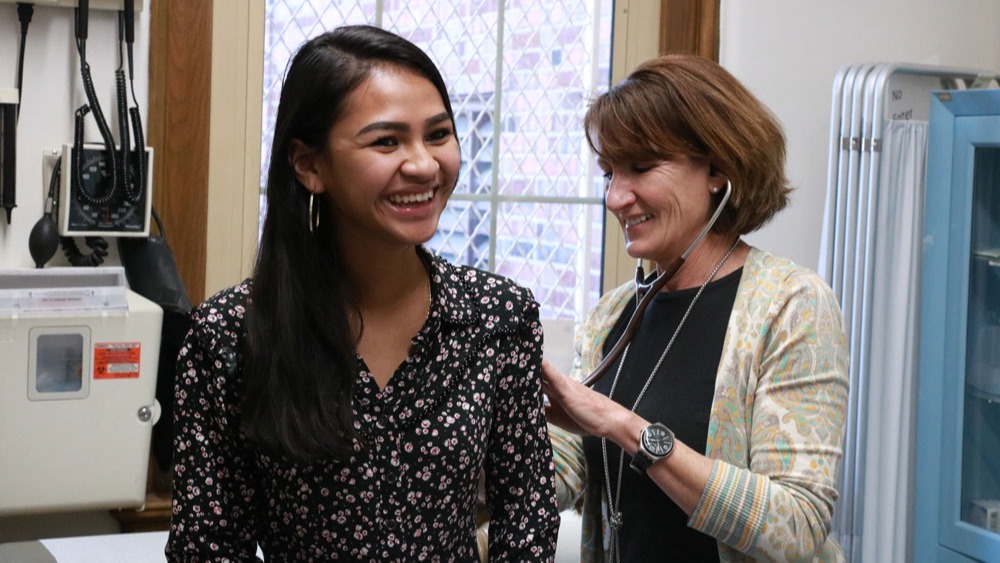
column 645, row 292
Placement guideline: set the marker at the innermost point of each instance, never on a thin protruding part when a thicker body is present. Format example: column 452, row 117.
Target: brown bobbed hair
column 689, row 105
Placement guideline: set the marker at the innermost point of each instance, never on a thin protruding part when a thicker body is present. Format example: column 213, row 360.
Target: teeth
column 412, row 198
column 636, row 220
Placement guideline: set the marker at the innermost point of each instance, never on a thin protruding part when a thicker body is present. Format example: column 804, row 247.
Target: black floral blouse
column 467, row 398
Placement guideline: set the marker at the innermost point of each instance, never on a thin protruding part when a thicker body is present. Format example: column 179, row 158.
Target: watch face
column 657, row 440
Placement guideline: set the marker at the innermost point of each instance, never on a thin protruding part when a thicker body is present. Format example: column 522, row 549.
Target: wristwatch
column 655, row 443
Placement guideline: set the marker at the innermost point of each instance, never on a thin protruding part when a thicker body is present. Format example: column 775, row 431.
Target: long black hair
column 300, row 355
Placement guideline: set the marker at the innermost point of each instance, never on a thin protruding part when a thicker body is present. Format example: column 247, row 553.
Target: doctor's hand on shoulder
column 579, row 409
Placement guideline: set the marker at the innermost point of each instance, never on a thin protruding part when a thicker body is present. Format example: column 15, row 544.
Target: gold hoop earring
column 313, row 218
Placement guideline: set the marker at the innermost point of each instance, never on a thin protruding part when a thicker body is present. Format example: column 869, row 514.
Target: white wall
column 788, row 52
column 52, row 91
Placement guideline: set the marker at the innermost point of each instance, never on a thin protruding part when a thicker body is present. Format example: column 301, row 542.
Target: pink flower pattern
column 467, row 399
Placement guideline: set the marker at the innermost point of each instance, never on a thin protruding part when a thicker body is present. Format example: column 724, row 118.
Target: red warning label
column 116, row 360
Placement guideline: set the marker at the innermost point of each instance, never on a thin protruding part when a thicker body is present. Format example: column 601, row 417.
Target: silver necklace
column 614, row 514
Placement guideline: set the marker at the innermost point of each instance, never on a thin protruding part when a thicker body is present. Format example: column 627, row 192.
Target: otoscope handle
column 633, row 323
column 129, row 21
column 82, row 17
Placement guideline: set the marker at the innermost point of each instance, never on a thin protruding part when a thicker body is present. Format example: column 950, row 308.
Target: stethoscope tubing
column 646, row 293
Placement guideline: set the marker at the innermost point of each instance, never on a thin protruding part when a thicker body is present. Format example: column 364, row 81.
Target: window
column 529, row 201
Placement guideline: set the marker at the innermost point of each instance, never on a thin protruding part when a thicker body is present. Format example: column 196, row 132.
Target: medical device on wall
column 10, row 107
column 105, row 187
column 8, row 152
column 91, row 204
column 77, row 390
column 98, row 189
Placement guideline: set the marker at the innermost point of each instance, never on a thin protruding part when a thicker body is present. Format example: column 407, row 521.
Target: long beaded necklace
column 614, row 514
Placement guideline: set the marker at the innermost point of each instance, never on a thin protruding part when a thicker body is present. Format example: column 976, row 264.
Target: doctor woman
column 716, row 432
column 342, row 403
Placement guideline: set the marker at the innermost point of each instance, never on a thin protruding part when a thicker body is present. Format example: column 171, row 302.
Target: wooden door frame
column 180, row 51
column 690, row 26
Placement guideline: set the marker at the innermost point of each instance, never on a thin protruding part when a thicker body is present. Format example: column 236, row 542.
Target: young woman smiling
column 343, row 403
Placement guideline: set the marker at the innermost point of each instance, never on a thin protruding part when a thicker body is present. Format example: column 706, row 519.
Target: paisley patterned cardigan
column 776, row 424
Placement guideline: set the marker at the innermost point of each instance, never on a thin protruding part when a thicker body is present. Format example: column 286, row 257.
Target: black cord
column 98, row 246
column 24, row 12
column 121, row 99
column 98, row 251
column 82, row 12
column 159, row 224
column 133, row 186
column 54, row 179
column 127, row 20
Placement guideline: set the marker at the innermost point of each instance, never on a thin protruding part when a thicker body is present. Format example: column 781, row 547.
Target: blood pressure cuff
column 152, row 273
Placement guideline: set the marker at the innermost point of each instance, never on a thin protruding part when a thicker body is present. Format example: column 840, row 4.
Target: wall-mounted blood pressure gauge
column 92, row 204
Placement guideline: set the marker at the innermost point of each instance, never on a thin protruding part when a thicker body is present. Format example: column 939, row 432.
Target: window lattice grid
column 520, row 74
column 552, row 244
column 288, row 24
